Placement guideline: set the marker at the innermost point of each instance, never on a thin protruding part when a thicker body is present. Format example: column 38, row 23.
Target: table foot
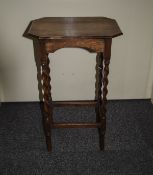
column 48, row 143
column 101, row 139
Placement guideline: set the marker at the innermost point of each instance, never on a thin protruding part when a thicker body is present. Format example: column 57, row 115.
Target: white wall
column 73, row 69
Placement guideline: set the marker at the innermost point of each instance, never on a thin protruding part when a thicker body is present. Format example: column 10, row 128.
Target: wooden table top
column 73, row 27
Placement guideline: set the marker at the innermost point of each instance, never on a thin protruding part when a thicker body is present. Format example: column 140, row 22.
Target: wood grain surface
column 74, row 27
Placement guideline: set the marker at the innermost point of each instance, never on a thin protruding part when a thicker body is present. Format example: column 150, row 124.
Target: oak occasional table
column 91, row 33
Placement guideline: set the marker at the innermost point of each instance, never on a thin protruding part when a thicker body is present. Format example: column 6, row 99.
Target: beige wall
column 73, row 69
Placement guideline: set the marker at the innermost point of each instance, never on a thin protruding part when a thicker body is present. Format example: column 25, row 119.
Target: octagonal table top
column 73, row 27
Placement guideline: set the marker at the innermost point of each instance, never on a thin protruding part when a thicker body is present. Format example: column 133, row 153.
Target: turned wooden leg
column 106, row 61
column 99, row 97
column 99, row 69
column 47, row 100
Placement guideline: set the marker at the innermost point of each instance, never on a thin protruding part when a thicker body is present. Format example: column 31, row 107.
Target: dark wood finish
column 76, row 125
column 99, row 101
column 91, row 33
column 99, row 71
column 75, row 103
column 107, row 55
column 46, row 88
column 74, row 27
column 92, row 45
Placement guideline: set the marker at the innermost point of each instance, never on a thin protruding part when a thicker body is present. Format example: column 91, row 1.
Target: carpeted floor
column 129, row 141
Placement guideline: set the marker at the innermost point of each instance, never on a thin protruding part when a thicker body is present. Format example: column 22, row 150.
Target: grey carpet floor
column 128, row 150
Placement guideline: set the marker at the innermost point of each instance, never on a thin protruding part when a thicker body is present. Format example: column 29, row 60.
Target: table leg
column 99, row 69
column 106, row 61
column 99, row 97
column 47, row 100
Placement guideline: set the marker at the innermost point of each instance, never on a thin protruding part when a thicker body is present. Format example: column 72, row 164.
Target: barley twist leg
column 47, row 100
column 106, row 62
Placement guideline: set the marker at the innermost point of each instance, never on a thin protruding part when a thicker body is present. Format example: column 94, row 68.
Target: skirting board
column 152, row 97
